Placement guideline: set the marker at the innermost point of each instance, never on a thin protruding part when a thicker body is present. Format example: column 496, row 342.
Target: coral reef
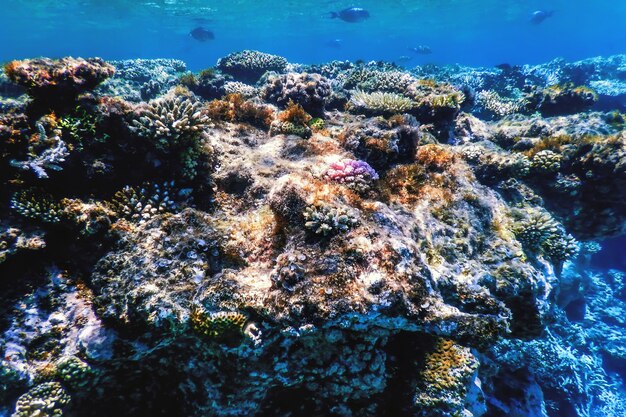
column 311, row 91
column 249, row 66
column 380, row 103
column 346, row 239
column 60, row 80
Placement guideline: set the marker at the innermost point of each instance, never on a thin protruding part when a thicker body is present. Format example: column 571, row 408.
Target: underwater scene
column 403, row 208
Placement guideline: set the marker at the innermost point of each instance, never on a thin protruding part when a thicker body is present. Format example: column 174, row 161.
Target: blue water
column 470, row 32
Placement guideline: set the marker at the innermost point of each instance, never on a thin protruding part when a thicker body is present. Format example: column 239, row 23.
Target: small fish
column 333, row 43
column 201, row 34
column 421, row 50
column 539, row 16
column 351, row 15
column 404, row 58
column 504, row 67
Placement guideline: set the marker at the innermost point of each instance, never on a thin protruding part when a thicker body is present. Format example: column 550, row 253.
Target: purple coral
column 355, row 174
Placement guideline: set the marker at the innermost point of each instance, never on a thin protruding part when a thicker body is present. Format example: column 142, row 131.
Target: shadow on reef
column 348, row 239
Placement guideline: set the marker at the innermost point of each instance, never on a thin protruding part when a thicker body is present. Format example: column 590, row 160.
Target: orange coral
column 435, row 157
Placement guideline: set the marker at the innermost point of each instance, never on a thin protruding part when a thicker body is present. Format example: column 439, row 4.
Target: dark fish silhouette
column 421, row 50
column 539, row 16
column 504, row 67
column 201, row 34
column 351, row 15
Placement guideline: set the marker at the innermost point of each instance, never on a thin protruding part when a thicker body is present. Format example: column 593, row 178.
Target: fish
column 333, row 43
column 421, row 49
column 404, row 58
column 201, row 34
column 539, row 16
column 351, row 15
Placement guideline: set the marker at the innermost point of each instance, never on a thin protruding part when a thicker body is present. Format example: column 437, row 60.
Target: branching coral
column 175, row 125
column 140, row 204
column 380, row 103
column 326, row 220
column 540, row 232
column 50, row 158
column 37, row 205
column 496, row 105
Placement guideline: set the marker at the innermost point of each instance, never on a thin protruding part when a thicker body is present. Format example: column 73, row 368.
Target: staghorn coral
column 354, row 174
column 45, row 400
column 311, row 91
column 50, row 158
column 249, row 66
column 496, row 105
column 35, row 204
column 379, row 103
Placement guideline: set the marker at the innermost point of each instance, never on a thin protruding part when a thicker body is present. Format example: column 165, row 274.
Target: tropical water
column 470, row 32
column 239, row 208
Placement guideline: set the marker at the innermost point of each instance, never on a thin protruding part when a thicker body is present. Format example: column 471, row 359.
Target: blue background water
column 471, row 32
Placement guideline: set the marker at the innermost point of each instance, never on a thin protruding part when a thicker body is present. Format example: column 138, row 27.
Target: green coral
column 447, row 372
column 37, row 205
column 45, row 400
column 279, row 127
column 326, row 220
column 540, row 232
column 546, row 162
column 73, row 372
column 220, row 325
column 317, row 124
column 79, row 126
